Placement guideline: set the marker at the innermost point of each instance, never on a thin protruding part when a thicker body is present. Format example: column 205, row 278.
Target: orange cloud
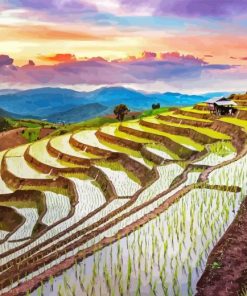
column 40, row 32
column 221, row 47
column 59, row 58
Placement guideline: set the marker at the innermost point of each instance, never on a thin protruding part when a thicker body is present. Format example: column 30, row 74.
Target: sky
column 190, row 46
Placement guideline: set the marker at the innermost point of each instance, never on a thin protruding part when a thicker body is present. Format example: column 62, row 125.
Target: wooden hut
column 221, row 106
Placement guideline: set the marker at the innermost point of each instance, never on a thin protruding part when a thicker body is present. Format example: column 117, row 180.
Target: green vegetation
column 4, row 125
column 155, row 111
column 243, row 292
column 30, row 123
column 164, row 149
column 38, row 203
column 180, row 116
column 222, row 148
column 203, row 130
column 91, row 123
column 190, row 109
column 236, row 121
column 88, row 124
column 121, row 149
column 31, row 134
column 15, row 123
column 57, row 190
column 116, row 166
column 179, row 139
column 215, row 265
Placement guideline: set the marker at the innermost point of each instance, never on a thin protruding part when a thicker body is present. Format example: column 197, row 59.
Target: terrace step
column 202, row 107
column 61, row 148
column 241, row 113
column 58, row 154
column 180, row 150
column 241, row 102
column 195, row 113
column 151, row 198
column 22, row 199
column 180, row 119
column 180, row 130
column 88, row 142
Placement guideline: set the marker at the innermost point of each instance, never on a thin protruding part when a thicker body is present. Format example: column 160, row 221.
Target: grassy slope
column 32, row 127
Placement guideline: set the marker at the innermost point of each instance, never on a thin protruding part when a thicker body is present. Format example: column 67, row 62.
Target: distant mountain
column 8, row 91
column 216, row 94
column 41, row 102
column 135, row 100
column 61, row 104
column 79, row 113
column 4, row 113
column 176, row 99
column 112, row 96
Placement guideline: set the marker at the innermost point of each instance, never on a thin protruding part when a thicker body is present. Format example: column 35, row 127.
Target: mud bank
column 230, row 256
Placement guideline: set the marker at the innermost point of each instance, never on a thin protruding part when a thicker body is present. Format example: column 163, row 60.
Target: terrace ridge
column 182, row 131
column 193, row 122
column 179, row 149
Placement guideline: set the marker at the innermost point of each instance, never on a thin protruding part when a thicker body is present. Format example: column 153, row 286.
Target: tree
column 156, row 106
column 120, row 111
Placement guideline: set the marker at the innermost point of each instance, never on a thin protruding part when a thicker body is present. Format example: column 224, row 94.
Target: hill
column 79, row 113
column 40, row 102
column 43, row 102
column 58, row 102
column 4, row 113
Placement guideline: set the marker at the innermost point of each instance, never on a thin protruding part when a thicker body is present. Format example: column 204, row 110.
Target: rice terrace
column 123, row 148
column 153, row 205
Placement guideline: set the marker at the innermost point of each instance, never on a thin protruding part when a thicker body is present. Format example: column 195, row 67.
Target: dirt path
column 226, row 270
column 12, row 138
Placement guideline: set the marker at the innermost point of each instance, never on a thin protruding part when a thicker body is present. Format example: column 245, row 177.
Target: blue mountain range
column 67, row 105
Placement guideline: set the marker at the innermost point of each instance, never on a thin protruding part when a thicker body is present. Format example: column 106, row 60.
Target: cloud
column 172, row 57
column 208, row 56
column 167, row 67
column 176, row 57
column 190, row 8
column 44, row 32
column 29, row 64
column 5, row 60
column 148, row 55
column 59, row 58
column 243, row 58
column 184, row 8
column 55, row 6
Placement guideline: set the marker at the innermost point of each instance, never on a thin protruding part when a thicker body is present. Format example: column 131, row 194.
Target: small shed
column 217, row 99
column 221, row 105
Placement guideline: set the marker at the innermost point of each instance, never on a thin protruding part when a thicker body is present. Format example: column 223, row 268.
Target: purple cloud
column 168, row 67
column 188, row 8
column 5, row 60
column 53, row 6
column 176, row 57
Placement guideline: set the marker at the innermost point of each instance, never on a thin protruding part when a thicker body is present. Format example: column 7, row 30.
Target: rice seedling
column 166, row 255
